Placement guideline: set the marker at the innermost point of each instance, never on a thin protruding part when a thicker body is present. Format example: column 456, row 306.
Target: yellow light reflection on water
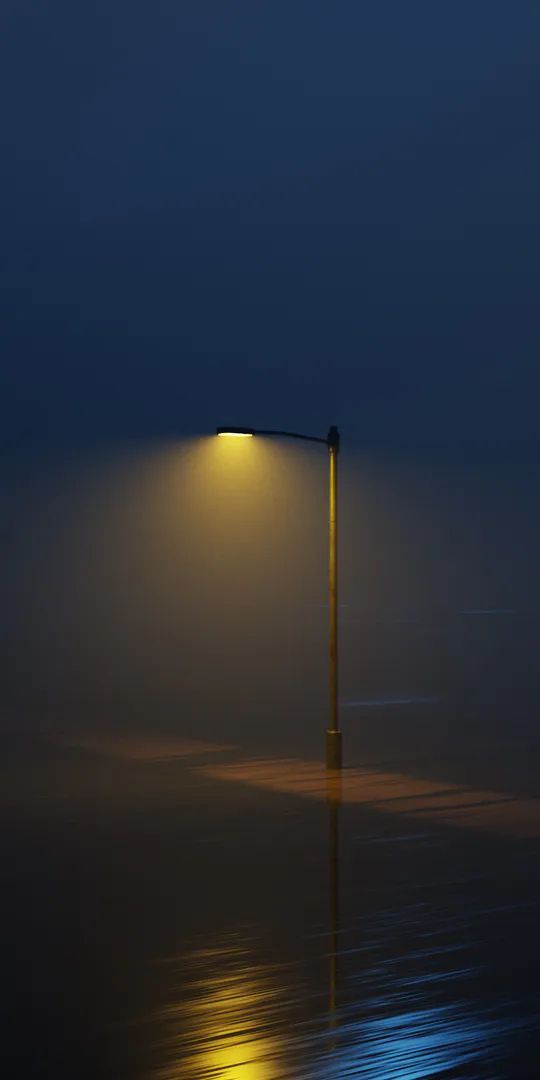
column 225, row 1027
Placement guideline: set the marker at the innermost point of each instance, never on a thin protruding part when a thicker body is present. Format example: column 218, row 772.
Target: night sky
column 275, row 213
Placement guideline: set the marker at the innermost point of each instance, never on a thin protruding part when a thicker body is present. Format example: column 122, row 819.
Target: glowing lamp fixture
column 236, row 432
column 333, row 734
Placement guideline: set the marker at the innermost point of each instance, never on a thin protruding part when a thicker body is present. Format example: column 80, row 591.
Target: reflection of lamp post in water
column 333, row 734
column 333, row 799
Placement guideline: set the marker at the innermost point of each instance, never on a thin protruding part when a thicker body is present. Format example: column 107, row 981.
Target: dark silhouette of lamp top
column 233, row 430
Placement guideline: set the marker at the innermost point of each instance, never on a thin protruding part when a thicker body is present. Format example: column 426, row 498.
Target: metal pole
column 333, row 734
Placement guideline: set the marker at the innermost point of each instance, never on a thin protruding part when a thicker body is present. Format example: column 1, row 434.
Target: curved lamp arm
column 332, row 439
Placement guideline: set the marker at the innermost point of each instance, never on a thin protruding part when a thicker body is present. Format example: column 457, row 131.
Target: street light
column 333, row 734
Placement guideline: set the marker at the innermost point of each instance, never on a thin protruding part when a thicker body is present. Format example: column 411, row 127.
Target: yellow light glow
column 235, row 435
column 225, row 1026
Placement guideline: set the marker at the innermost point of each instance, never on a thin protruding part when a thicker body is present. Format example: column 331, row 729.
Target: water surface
column 177, row 909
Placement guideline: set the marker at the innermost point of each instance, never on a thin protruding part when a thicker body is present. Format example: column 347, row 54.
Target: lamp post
column 333, row 733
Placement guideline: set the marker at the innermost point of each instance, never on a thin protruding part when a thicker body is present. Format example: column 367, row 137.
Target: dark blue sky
column 283, row 213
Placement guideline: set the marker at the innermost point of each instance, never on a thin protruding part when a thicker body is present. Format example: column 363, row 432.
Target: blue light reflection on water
column 412, row 1045
column 237, row 1019
column 393, row 984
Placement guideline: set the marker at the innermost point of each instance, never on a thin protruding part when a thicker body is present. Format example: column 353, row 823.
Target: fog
column 182, row 586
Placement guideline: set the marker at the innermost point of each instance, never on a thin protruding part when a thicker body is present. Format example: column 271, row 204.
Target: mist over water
column 194, row 896
column 183, row 586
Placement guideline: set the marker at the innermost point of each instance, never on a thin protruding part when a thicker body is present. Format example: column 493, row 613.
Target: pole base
column 333, row 749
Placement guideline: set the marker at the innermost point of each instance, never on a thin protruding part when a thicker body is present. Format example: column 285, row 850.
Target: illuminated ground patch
column 390, row 793
column 143, row 748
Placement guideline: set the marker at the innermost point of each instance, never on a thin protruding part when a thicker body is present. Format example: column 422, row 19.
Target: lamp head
column 235, row 432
